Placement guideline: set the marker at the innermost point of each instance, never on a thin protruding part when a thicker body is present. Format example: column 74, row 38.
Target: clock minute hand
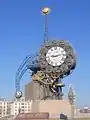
column 55, row 55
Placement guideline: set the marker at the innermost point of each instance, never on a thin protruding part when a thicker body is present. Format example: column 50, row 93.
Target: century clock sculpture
column 55, row 60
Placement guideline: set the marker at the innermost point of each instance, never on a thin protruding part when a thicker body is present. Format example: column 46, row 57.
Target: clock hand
column 56, row 55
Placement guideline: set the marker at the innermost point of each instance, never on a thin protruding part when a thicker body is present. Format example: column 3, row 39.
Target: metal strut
column 25, row 65
column 21, row 70
column 46, row 11
column 19, row 78
column 22, row 64
column 46, row 29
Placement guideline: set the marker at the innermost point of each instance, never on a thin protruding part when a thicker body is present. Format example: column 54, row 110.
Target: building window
column 29, row 109
column 22, row 103
column 22, row 106
column 22, row 110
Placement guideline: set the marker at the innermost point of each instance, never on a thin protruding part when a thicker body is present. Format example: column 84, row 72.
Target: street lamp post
column 71, row 98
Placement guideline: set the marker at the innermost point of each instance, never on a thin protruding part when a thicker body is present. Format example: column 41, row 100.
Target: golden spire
column 46, row 10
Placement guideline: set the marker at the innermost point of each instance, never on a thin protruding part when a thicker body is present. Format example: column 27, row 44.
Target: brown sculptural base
column 46, row 109
column 33, row 116
column 53, row 107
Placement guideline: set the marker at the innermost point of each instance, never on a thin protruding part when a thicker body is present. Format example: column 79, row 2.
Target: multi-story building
column 21, row 106
column 5, row 109
column 12, row 108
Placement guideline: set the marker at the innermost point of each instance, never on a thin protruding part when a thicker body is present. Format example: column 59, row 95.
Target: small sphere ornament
column 46, row 10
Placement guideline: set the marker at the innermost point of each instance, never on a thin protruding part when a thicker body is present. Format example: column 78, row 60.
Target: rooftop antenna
column 45, row 12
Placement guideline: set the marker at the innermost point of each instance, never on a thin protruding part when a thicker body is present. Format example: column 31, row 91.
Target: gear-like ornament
column 42, row 78
column 57, row 56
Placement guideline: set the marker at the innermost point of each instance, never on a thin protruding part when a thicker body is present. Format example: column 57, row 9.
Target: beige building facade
column 33, row 91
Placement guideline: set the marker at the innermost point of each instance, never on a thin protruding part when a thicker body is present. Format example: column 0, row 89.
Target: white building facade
column 5, row 108
column 8, row 108
column 21, row 106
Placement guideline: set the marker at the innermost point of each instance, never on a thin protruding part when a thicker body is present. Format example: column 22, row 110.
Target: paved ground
column 75, row 119
column 53, row 119
column 82, row 119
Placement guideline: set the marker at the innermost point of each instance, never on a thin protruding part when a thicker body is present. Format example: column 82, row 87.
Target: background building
column 21, row 106
column 12, row 108
column 5, row 109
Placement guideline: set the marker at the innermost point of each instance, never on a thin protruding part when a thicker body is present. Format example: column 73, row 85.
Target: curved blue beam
column 17, row 82
column 30, row 62
column 23, row 63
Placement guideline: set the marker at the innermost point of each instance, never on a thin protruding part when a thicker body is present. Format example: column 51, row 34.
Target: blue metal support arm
column 17, row 84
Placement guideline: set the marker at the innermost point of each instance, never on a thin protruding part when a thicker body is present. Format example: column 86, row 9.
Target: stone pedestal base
column 53, row 107
column 32, row 116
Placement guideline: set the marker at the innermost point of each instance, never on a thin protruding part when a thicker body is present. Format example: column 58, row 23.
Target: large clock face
column 55, row 56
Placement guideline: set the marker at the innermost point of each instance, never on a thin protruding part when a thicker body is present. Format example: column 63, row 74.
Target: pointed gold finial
column 46, row 10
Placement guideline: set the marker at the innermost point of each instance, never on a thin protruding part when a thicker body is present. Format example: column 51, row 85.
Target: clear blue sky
column 21, row 33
